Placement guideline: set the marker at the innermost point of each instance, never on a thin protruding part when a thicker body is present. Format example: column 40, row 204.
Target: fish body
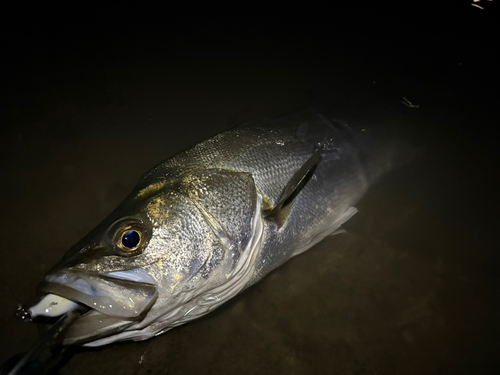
column 209, row 222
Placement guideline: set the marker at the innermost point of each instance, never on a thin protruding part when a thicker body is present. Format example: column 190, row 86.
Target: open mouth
column 116, row 301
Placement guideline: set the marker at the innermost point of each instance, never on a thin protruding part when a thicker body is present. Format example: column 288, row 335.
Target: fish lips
column 120, row 297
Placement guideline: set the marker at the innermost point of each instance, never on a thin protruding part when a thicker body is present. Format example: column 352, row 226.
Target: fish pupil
column 131, row 239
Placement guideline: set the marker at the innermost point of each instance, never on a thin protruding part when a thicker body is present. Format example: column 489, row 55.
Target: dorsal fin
column 279, row 213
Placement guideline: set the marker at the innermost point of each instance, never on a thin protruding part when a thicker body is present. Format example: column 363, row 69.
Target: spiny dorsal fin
column 280, row 212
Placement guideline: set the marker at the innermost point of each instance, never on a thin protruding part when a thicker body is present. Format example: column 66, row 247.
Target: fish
column 208, row 223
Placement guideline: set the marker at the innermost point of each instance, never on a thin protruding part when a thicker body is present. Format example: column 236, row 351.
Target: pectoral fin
column 279, row 213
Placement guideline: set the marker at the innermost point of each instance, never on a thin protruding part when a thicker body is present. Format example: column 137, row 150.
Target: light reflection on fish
column 209, row 222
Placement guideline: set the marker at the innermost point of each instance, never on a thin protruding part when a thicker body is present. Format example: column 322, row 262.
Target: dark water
column 412, row 287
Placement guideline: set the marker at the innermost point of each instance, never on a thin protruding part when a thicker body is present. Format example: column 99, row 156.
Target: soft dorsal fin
column 279, row 213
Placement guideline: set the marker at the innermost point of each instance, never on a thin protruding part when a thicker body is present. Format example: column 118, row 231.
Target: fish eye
column 130, row 239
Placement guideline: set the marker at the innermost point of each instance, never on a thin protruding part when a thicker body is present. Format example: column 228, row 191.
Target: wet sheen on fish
column 206, row 224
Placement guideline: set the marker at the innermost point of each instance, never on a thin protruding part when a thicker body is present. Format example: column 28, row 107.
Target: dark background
column 92, row 97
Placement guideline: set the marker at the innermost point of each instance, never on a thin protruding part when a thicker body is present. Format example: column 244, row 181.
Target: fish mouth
column 110, row 294
column 116, row 300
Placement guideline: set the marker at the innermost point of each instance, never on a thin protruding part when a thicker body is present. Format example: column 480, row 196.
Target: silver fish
column 208, row 223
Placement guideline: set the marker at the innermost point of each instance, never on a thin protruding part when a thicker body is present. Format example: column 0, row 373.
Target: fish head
column 159, row 259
